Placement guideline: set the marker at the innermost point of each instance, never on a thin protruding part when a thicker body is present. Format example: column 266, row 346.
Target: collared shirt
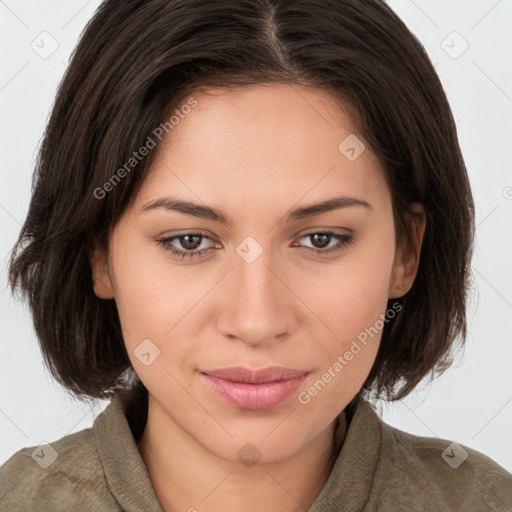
column 378, row 469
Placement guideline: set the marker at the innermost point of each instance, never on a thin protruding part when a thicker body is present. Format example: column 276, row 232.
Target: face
column 265, row 281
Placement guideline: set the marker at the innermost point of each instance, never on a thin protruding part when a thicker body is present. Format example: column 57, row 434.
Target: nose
column 258, row 307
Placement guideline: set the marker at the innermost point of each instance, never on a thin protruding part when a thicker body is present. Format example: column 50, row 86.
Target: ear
column 407, row 258
column 100, row 274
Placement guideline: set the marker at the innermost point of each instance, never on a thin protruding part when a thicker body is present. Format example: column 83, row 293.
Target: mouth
column 254, row 389
column 261, row 376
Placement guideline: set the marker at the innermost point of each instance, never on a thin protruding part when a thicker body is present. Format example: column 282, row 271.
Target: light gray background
column 472, row 402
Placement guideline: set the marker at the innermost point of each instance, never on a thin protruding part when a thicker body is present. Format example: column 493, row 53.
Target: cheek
column 346, row 352
column 349, row 296
column 156, row 301
column 351, row 300
column 144, row 291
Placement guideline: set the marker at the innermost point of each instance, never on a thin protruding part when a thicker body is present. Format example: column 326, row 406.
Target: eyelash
column 344, row 240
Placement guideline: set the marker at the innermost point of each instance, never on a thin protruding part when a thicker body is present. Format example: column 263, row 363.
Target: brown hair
column 137, row 60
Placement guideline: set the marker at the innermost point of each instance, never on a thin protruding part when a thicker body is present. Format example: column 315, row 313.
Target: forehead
column 263, row 144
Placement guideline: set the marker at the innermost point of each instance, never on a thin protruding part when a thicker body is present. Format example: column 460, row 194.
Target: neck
column 186, row 476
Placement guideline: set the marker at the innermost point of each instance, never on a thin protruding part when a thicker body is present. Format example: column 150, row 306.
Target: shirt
column 379, row 469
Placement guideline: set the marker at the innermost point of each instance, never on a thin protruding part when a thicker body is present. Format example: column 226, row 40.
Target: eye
column 189, row 242
column 322, row 239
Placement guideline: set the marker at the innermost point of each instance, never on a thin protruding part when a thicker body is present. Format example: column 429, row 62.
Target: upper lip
column 263, row 375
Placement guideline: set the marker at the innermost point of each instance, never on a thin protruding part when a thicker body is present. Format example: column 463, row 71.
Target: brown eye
column 190, row 242
column 322, row 239
column 186, row 245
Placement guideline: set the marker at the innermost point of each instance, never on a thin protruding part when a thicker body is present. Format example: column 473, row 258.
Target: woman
column 247, row 217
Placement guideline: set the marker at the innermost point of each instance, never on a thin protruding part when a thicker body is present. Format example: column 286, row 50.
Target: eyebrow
column 209, row 213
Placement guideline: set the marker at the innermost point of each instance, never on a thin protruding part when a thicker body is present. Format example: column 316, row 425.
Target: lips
column 254, row 389
column 248, row 376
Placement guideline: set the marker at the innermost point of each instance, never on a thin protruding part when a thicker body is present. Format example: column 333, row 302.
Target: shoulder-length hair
column 137, row 60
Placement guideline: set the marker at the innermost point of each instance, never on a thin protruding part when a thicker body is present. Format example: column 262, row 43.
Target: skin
column 254, row 153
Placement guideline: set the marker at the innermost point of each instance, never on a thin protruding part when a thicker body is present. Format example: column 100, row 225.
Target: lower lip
column 254, row 396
